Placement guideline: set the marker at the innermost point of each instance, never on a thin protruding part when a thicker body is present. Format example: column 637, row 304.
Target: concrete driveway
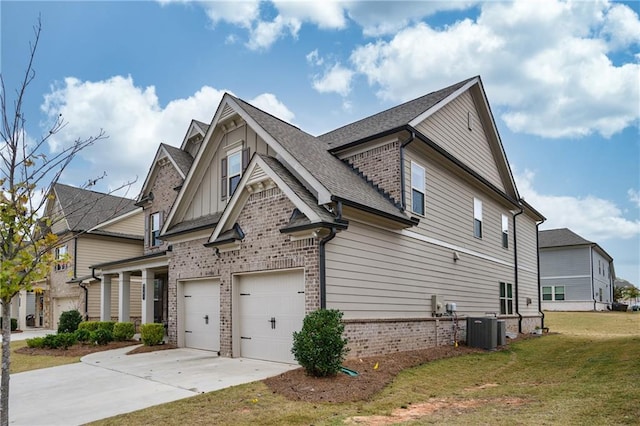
column 108, row 383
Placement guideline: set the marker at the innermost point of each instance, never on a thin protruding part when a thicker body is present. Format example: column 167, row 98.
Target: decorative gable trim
column 161, row 158
column 258, row 177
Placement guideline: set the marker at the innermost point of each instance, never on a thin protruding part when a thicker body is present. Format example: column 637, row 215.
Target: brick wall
column 264, row 248
column 381, row 165
column 164, row 195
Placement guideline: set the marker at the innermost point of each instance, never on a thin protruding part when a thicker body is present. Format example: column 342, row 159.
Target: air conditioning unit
column 482, row 332
column 437, row 305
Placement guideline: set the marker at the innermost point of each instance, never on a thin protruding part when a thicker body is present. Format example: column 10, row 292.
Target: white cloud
column 546, row 65
column 593, row 218
column 336, row 79
column 314, row 58
column 134, row 121
column 634, row 196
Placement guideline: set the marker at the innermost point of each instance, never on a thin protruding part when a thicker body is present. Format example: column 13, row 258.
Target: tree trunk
column 6, row 362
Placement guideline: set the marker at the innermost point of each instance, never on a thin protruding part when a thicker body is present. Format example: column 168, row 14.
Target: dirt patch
column 146, row 349
column 75, row 350
column 417, row 411
column 297, row 386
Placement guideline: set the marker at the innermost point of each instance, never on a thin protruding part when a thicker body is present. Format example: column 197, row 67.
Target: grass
column 21, row 363
column 589, row 374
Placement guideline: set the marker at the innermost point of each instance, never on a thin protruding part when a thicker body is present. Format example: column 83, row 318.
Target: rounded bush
column 66, row 340
column 319, row 347
column 123, row 331
column 51, row 341
column 89, row 325
column 69, row 321
column 101, row 336
column 107, row 325
column 83, row 334
column 152, row 334
column 36, row 342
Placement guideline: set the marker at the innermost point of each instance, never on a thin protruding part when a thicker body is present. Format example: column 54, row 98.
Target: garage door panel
column 202, row 314
column 263, row 297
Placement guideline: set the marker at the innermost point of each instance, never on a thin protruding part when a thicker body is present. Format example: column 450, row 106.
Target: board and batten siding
column 135, row 307
column 207, row 198
column 449, row 128
column 92, row 251
column 132, row 225
column 377, row 273
column 449, row 209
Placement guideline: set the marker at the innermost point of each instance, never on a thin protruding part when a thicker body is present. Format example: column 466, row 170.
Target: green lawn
column 20, row 363
column 588, row 374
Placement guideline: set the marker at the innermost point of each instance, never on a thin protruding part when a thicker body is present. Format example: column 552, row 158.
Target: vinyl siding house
column 387, row 219
column 575, row 274
column 90, row 226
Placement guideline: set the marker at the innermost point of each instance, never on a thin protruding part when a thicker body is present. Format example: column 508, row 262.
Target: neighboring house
column 253, row 223
column 91, row 226
column 575, row 274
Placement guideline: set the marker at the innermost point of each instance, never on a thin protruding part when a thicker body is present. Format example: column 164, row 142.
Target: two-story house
column 91, row 226
column 575, row 274
column 390, row 219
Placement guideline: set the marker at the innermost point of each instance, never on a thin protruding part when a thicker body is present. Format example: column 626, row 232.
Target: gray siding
column 526, row 232
column 372, row 272
column 448, row 127
column 575, row 289
column 565, row 262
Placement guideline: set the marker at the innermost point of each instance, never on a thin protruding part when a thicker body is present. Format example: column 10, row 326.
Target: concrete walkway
column 108, row 383
column 29, row 333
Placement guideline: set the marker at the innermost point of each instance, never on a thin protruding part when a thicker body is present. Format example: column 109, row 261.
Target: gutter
column 323, row 262
column 406, row 221
column 403, row 201
column 593, row 289
column 515, row 261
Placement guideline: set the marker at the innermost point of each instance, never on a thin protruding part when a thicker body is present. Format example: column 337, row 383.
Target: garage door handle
column 187, row 331
column 273, row 323
column 206, row 319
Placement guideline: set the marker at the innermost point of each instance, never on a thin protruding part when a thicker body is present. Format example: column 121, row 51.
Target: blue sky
column 562, row 79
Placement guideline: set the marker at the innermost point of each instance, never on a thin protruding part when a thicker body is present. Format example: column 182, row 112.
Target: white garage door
column 271, row 308
column 60, row 305
column 202, row 314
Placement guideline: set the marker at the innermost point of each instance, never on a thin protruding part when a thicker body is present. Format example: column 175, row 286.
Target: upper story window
column 477, row 218
column 417, row 188
column 231, row 169
column 505, row 231
column 155, row 225
column 61, row 258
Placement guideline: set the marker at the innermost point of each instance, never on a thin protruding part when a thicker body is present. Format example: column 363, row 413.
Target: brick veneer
column 264, row 248
column 381, row 165
column 164, row 195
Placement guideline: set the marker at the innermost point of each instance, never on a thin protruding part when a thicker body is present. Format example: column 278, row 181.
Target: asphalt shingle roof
column 336, row 176
column 560, row 238
column 387, row 120
column 84, row 209
column 183, row 159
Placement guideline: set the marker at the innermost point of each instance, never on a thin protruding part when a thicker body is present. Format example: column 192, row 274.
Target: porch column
column 148, row 289
column 105, row 298
column 22, row 310
column 124, row 297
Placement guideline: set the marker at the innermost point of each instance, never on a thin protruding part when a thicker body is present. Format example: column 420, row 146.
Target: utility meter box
column 482, row 332
column 437, row 305
column 451, row 307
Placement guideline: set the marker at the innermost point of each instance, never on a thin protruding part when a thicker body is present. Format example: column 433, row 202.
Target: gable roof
column 342, row 181
column 83, row 209
column 182, row 159
column 560, row 238
column 388, row 120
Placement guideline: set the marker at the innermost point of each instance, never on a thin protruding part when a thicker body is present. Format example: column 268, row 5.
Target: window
column 417, row 188
column 155, row 224
column 506, row 299
column 477, row 218
column 61, row 258
column 231, row 169
column 505, row 231
column 553, row 292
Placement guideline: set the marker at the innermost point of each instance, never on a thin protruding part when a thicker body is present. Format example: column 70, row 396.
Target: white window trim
column 61, row 266
column 506, row 298
column 505, row 231
column 553, row 293
column 477, row 215
column 422, row 190
column 155, row 241
column 230, row 153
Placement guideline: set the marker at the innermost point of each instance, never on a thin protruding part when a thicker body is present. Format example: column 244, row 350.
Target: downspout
column 515, row 261
column 539, row 282
column 323, row 267
column 403, row 202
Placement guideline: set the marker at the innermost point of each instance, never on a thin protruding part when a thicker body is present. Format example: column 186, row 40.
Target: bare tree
column 27, row 175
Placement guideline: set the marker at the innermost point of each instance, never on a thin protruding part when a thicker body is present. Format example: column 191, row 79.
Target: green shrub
column 83, row 335
column 66, row 340
column 123, row 331
column 319, row 347
column 101, row 336
column 14, row 324
column 69, row 321
column 107, row 325
column 152, row 334
column 36, row 342
column 51, row 341
column 89, row 325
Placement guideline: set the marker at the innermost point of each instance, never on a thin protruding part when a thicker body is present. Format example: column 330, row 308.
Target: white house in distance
column 575, row 274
